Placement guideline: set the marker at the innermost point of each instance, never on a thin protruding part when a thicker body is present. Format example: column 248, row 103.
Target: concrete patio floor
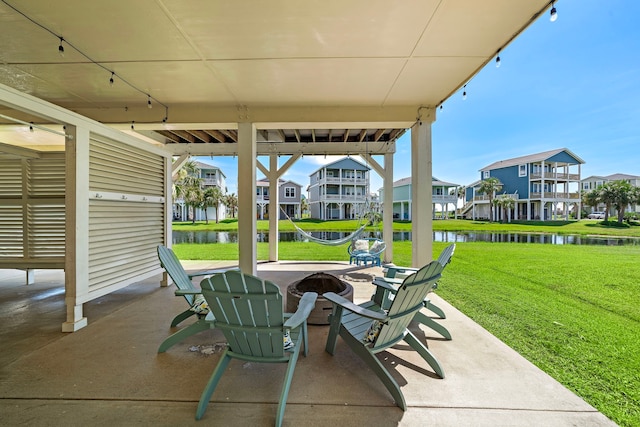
column 109, row 374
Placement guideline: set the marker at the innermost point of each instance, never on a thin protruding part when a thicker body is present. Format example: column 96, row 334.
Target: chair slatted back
column 407, row 302
column 445, row 256
column 249, row 311
column 170, row 262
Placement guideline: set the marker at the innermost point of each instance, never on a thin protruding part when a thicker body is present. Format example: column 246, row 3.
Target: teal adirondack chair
column 249, row 311
column 170, row 262
column 394, row 276
column 368, row 330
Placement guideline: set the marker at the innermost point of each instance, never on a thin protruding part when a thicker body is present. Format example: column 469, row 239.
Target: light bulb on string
column 464, row 93
column 111, row 80
column 31, row 127
column 149, row 105
column 554, row 13
column 61, row 48
column 498, row 61
column 132, row 125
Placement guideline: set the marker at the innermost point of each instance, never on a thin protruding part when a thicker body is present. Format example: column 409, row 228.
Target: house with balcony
column 289, row 196
column 545, row 186
column 595, row 181
column 211, row 176
column 443, row 197
column 340, row 190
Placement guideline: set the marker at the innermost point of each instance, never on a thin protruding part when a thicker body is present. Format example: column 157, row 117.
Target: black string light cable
column 61, row 51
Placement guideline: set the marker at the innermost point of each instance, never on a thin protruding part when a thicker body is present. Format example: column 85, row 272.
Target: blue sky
column 573, row 83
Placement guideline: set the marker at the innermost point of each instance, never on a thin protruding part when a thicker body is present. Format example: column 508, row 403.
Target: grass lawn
column 571, row 310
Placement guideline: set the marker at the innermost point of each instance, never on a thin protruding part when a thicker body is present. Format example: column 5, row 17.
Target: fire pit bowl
column 320, row 283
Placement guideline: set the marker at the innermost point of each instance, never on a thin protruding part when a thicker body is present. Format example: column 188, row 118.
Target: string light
column 132, row 125
column 31, row 127
column 61, row 48
column 554, row 13
column 464, row 93
column 61, row 51
column 498, row 59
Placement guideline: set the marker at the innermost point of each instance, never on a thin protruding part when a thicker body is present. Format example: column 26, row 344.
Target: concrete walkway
column 109, row 374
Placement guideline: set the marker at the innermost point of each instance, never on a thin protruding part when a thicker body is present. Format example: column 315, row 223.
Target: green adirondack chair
column 394, row 276
column 367, row 329
column 249, row 311
column 171, row 264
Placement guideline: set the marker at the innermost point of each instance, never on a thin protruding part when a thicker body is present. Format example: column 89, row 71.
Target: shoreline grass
column 571, row 310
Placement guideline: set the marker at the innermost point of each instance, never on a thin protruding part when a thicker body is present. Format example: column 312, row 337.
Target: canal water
column 438, row 236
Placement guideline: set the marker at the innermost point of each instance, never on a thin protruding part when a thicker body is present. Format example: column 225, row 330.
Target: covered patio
column 119, row 379
column 98, row 99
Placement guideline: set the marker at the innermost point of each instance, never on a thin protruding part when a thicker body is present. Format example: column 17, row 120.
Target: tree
column 188, row 187
column 507, row 203
column 622, row 195
column 489, row 187
column 591, row 198
column 304, row 205
column 231, row 200
column 212, row 197
column 606, row 195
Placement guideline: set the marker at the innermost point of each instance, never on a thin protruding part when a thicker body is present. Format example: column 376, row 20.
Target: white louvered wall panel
column 32, row 212
column 123, row 234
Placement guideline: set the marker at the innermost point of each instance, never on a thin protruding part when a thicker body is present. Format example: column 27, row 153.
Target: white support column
column 421, row 172
column 168, row 213
column 274, row 207
column 76, row 277
column 30, row 276
column 387, row 215
column 247, row 230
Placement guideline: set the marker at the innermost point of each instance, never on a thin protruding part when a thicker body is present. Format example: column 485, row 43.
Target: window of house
column 290, row 192
column 485, row 174
column 585, row 185
column 522, row 170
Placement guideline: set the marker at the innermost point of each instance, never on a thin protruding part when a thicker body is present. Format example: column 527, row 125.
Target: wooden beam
column 378, row 134
column 346, row 135
column 202, row 136
column 216, row 134
column 297, row 132
column 363, row 134
column 231, row 134
column 184, row 135
column 171, row 137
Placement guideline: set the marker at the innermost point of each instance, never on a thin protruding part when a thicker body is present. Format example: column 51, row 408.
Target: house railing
column 485, row 197
column 555, row 195
column 343, row 198
column 554, row 175
column 210, row 181
column 441, row 198
column 338, row 180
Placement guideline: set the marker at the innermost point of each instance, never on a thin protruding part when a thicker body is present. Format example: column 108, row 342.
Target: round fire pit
column 320, row 283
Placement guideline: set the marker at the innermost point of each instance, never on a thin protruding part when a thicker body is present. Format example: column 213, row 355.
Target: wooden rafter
column 231, row 134
column 217, row 135
column 378, row 134
column 297, row 132
column 346, row 135
column 202, row 136
column 363, row 134
column 170, row 136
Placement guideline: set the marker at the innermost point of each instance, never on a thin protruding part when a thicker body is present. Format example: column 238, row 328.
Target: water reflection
column 438, row 236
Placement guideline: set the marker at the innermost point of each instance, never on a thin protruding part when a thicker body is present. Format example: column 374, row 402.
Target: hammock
column 336, row 242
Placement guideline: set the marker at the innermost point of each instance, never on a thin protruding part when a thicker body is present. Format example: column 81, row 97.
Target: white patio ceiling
column 326, row 71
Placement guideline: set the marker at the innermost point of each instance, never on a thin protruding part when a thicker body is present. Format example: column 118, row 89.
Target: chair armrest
column 212, row 272
column 343, row 302
column 183, row 292
column 393, row 270
column 387, row 284
column 306, row 304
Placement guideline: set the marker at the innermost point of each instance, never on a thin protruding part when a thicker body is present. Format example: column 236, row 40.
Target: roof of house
column 434, row 181
column 264, row 182
column 612, row 177
column 531, row 158
column 344, row 163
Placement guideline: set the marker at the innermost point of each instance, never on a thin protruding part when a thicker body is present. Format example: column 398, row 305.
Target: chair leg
column 425, row 353
column 211, row 385
column 377, row 367
column 182, row 316
column 430, row 323
column 432, row 307
column 305, row 338
column 335, row 320
column 194, row 328
column 286, row 386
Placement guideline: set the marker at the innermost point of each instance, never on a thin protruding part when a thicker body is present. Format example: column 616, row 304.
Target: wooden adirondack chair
column 249, row 311
column 170, row 262
column 368, row 330
column 394, row 276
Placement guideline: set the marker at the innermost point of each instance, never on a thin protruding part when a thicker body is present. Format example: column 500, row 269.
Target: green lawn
column 571, row 310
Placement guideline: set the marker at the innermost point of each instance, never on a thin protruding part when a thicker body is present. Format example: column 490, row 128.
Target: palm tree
column 591, row 198
column 489, row 187
column 507, row 203
column 231, row 200
column 606, row 195
column 212, row 197
column 304, row 205
column 622, row 196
